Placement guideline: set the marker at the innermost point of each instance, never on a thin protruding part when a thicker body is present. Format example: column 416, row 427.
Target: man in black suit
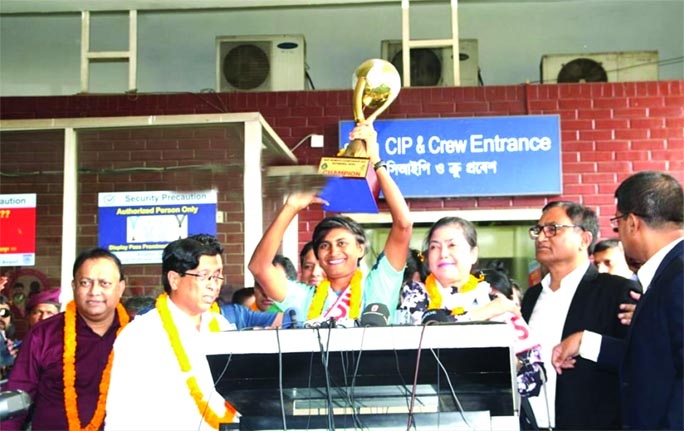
column 650, row 221
column 572, row 297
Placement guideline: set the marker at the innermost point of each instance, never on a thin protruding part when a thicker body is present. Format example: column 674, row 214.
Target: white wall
column 40, row 54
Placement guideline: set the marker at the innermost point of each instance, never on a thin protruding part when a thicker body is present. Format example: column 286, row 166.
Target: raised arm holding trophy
column 353, row 184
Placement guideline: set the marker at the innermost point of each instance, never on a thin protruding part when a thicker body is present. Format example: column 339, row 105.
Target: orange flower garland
column 318, row 301
column 435, row 295
column 69, row 371
column 205, row 410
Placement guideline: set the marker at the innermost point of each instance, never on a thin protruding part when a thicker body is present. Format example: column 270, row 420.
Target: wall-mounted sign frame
column 483, row 156
column 137, row 226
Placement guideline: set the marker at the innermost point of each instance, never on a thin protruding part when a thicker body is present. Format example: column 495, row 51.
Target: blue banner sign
column 484, row 156
column 136, row 226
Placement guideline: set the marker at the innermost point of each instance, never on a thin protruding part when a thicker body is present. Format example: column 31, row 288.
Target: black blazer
column 587, row 396
column 651, row 357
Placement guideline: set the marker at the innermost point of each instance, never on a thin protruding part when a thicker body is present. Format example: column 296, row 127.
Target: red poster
column 17, row 230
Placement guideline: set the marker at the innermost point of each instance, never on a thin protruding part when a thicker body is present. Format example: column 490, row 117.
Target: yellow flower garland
column 318, row 301
column 214, row 324
column 69, row 371
column 435, row 295
column 205, row 410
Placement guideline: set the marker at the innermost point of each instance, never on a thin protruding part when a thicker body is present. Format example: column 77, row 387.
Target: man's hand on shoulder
column 627, row 310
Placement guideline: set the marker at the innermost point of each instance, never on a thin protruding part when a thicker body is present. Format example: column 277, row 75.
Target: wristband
column 380, row 164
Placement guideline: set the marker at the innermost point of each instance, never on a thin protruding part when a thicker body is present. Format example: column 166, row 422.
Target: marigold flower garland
column 205, row 410
column 69, row 371
column 435, row 295
column 318, row 301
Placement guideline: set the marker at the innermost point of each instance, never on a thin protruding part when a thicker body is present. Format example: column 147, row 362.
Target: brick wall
column 608, row 130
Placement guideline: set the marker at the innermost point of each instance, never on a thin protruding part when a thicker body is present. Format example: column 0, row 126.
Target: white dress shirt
column 546, row 322
column 649, row 268
column 148, row 391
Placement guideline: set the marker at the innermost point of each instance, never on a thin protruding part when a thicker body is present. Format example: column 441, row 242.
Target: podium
column 450, row 377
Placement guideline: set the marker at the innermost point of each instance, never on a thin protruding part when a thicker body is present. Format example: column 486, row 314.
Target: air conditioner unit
column 600, row 67
column 434, row 66
column 260, row 63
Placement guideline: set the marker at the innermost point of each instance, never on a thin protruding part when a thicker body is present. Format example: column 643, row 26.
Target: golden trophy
column 353, row 186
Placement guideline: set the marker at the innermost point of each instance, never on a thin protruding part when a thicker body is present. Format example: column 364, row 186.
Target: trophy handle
column 383, row 87
column 358, row 99
column 357, row 147
column 358, row 102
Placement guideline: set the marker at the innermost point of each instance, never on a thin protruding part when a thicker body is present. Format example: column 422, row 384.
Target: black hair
column 304, row 251
column 334, row 222
column 654, row 196
column 97, row 253
column 184, row 254
column 499, row 280
column 240, row 295
column 580, row 215
column 414, row 263
column 288, row 266
column 605, row 244
column 499, row 265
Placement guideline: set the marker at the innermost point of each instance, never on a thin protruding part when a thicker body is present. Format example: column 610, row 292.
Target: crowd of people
column 605, row 347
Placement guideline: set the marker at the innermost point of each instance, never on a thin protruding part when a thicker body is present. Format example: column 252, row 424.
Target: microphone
column 320, row 322
column 435, row 317
column 290, row 319
column 375, row 314
column 13, row 403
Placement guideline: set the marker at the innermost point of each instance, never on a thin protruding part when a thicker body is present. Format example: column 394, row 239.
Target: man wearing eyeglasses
column 650, row 221
column 63, row 364
column 573, row 296
column 162, row 348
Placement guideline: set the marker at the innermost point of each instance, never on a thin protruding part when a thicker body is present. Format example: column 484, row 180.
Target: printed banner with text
column 136, row 226
column 484, row 156
column 18, row 229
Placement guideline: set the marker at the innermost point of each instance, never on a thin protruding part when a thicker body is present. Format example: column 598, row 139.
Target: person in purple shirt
column 64, row 363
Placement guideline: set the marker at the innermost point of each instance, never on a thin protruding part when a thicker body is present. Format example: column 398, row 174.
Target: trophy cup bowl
column 353, row 184
column 376, row 84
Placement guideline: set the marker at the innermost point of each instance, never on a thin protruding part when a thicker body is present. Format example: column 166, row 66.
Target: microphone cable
column 357, row 420
column 280, row 379
column 324, row 360
column 218, row 379
column 358, row 363
column 310, row 389
column 341, row 389
column 404, row 386
column 451, row 388
column 415, row 381
column 344, row 390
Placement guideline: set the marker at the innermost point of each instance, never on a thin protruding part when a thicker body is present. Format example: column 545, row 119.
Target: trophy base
column 352, row 186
